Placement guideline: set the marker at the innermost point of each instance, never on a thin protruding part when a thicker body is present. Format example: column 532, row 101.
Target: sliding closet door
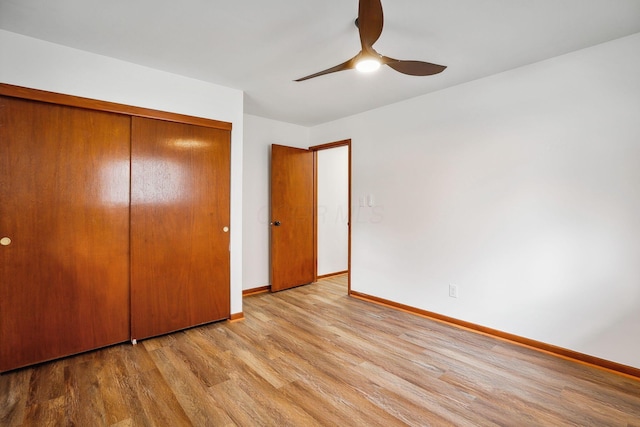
column 64, row 231
column 179, row 226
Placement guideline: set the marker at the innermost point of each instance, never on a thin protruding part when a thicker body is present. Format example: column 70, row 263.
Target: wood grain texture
column 180, row 198
column 542, row 346
column 292, row 207
column 64, row 191
column 110, row 107
column 258, row 290
column 312, row 356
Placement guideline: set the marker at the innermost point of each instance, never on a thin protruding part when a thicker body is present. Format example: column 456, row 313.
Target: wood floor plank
column 47, row 413
column 46, row 383
column 159, row 407
column 227, row 395
column 273, row 404
column 14, row 393
column 198, row 405
column 331, row 412
column 449, row 410
column 312, row 356
column 600, row 408
column 81, row 381
column 318, row 375
column 118, row 396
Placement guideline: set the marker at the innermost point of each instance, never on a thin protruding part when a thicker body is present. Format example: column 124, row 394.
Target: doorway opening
column 310, row 214
column 332, row 219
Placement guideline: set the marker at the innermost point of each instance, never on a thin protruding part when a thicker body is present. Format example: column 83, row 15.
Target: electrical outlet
column 453, row 291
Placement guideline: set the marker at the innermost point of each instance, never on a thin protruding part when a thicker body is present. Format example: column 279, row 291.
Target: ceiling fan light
column 368, row 65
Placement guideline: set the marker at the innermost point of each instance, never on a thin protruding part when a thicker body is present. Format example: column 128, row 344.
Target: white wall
column 333, row 210
column 33, row 63
column 523, row 189
column 259, row 134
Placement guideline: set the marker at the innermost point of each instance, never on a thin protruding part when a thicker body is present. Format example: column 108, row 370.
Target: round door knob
column 225, row 229
column 5, row 241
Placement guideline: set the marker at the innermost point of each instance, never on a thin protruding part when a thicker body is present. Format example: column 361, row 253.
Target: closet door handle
column 5, row 241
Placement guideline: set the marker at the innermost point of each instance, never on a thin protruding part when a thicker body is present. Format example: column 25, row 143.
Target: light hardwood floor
column 313, row 356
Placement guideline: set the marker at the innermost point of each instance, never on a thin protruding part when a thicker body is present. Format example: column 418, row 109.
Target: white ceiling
column 261, row 46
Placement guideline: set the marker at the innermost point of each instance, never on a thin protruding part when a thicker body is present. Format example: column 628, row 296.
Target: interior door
column 64, row 231
column 180, row 198
column 292, row 216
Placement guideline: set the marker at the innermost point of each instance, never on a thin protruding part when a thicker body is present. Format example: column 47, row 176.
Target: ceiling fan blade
column 347, row 65
column 370, row 21
column 413, row 68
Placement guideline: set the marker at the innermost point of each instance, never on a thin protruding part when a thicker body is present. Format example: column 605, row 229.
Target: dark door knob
column 276, row 223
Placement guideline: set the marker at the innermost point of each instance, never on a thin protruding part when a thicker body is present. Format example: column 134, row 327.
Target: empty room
column 348, row 212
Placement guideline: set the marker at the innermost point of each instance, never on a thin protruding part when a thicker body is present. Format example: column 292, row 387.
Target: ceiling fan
column 369, row 23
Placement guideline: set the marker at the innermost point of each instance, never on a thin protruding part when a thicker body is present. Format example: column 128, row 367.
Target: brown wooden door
column 292, row 209
column 64, row 217
column 179, row 226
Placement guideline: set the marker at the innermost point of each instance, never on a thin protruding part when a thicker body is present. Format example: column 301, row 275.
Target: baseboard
column 537, row 345
column 338, row 273
column 261, row 289
column 236, row 316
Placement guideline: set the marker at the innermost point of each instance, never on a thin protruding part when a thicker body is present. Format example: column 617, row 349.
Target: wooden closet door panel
column 64, row 192
column 179, row 214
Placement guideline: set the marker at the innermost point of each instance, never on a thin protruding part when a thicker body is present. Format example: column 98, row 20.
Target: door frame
column 315, row 149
